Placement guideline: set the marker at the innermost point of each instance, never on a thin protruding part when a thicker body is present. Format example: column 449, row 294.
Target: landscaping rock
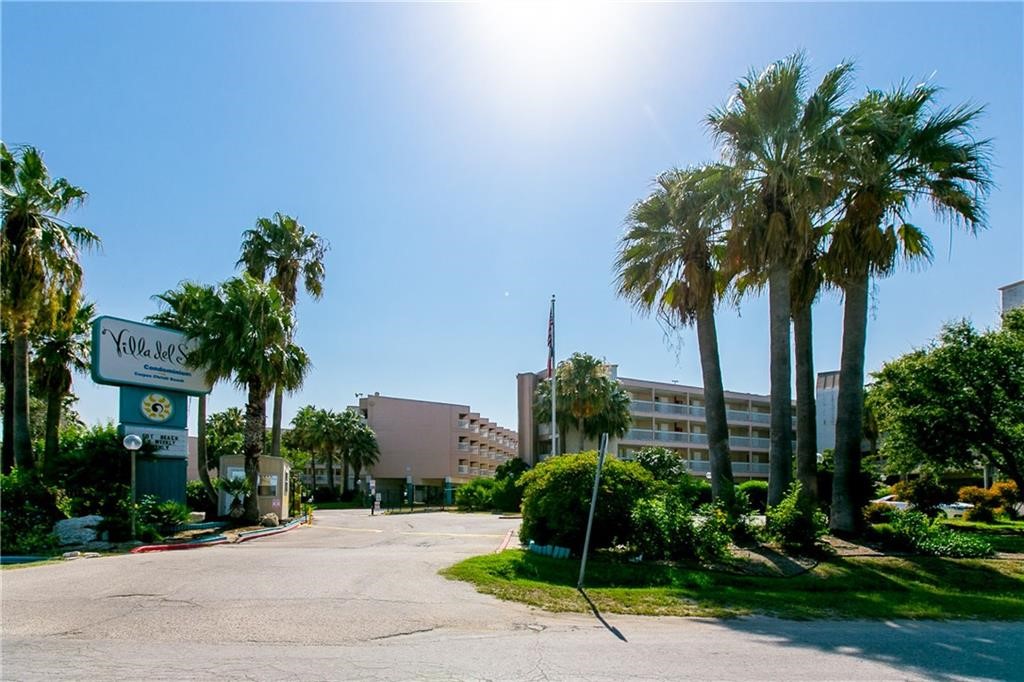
column 71, row 555
column 77, row 531
column 196, row 517
column 270, row 520
column 91, row 555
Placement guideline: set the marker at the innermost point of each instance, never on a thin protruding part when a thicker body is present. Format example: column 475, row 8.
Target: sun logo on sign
column 157, row 408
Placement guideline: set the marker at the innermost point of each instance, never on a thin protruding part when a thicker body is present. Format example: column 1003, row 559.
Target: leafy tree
column 664, row 464
column 778, row 139
column 243, row 332
column 360, row 449
column 670, row 261
column 900, row 150
column 320, row 432
column 588, row 399
column 957, row 403
column 39, row 258
column 184, row 308
column 225, row 435
column 59, row 350
column 281, row 247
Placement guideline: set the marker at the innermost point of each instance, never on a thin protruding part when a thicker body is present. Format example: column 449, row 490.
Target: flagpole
column 554, row 427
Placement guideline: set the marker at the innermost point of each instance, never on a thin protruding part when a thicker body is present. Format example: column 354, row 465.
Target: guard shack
column 274, row 487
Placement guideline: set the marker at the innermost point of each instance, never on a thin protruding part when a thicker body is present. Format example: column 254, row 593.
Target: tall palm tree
column 185, row 307
column 900, row 149
column 244, row 333
column 670, row 261
column 281, row 247
column 588, row 400
column 39, row 259
column 61, row 349
column 320, row 432
column 362, row 449
column 775, row 136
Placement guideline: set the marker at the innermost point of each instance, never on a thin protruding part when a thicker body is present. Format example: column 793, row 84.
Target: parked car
column 892, row 502
column 955, row 510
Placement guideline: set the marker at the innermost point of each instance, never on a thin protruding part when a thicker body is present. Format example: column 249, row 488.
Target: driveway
column 358, row 597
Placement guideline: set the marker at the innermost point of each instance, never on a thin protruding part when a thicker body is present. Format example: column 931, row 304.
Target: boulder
column 77, row 531
column 270, row 520
column 196, row 517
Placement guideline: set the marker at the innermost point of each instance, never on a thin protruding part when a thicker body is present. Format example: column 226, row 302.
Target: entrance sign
column 126, row 353
column 168, row 442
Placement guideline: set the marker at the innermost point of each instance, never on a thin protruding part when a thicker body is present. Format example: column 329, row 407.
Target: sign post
column 593, row 504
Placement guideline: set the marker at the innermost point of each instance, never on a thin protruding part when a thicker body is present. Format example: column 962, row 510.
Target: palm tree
column 900, row 149
column 670, row 262
column 39, row 259
column 320, row 432
column 244, row 332
column 363, row 451
column 59, row 350
column 776, row 137
column 185, row 307
column 588, row 400
column 282, row 247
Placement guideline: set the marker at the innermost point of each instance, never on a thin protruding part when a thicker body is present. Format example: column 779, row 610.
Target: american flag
column 551, row 339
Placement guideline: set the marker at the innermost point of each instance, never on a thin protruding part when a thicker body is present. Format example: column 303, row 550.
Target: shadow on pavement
column 937, row 650
column 611, row 628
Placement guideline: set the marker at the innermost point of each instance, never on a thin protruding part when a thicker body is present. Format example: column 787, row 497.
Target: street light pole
column 132, row 443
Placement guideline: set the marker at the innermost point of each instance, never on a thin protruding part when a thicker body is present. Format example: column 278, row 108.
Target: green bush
column 878, row 512
column 912, row 531
column 692, row 491
column 795, row 523
column 196, row 499
column 91, row 473
column 161, row 514
column 508, row 494
column 556, row 500
column 27, row 515
column 664, row 464
column 477, row 495
column 925, row 494
column 757, row 492
column 664, row 528
column 713, row 529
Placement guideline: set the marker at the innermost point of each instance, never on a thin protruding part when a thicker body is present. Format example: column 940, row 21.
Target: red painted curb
column 182, row 545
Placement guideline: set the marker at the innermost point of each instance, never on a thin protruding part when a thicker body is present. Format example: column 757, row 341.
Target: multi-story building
column 669, row 415
column 826, row 401
column 1012, row 296
column 433, row 443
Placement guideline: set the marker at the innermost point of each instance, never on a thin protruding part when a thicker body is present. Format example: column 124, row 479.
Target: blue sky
column 465, row 163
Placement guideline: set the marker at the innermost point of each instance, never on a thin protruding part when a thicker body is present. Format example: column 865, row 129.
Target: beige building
column 433, row 443
column 667, row 415
column 1012, row 296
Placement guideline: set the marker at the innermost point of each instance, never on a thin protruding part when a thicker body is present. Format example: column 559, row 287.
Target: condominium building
column 663, row 414
column 1012, row 296
column 433, row 443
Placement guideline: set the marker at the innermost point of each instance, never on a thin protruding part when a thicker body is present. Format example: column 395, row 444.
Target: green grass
column 862, row 587
column 1003, row 535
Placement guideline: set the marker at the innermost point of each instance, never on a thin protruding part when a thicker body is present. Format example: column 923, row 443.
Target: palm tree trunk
column 7, row 376
column 806, row 411
column 850, row 407
column 51, row 442
column 255, row 432
column 780, row 456
column 714, row 407
column 22, row 434
column 275, row 428
column 201, row 460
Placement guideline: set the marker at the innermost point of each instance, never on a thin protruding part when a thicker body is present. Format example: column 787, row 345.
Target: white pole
column 554, row 367
column 593, row 504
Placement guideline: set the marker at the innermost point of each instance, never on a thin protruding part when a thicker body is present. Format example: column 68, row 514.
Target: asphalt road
column 355, row 597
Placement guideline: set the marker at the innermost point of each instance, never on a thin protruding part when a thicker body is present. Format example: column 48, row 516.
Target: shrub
column 985, row 503
column 161, row 514
column 1009, row 497
column 556, row 500
column 795, row 523
column 196, row 499
column 692, row 491
column 757, row 492
column 477, row 495
column 664, row 464
column 92, row 472
column 27, row 514
column 925, row 494
column 878, row 512
column 913, row 531
column 663, row 528
column 508, row 494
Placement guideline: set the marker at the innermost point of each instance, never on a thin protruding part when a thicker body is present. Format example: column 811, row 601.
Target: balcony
column 464, row 447
column 750, row 468
column 474, row 471
column 697, row 466
column 463, row 469
column 544, row 430
column 670, row 409
column 463, row 423
column 643, row 406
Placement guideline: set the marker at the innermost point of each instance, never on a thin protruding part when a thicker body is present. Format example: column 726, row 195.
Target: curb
column 195, row 544
column 253, row 534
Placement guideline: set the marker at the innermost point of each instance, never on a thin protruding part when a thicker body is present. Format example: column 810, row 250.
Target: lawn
column 851, row 587
column 1004, row 536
